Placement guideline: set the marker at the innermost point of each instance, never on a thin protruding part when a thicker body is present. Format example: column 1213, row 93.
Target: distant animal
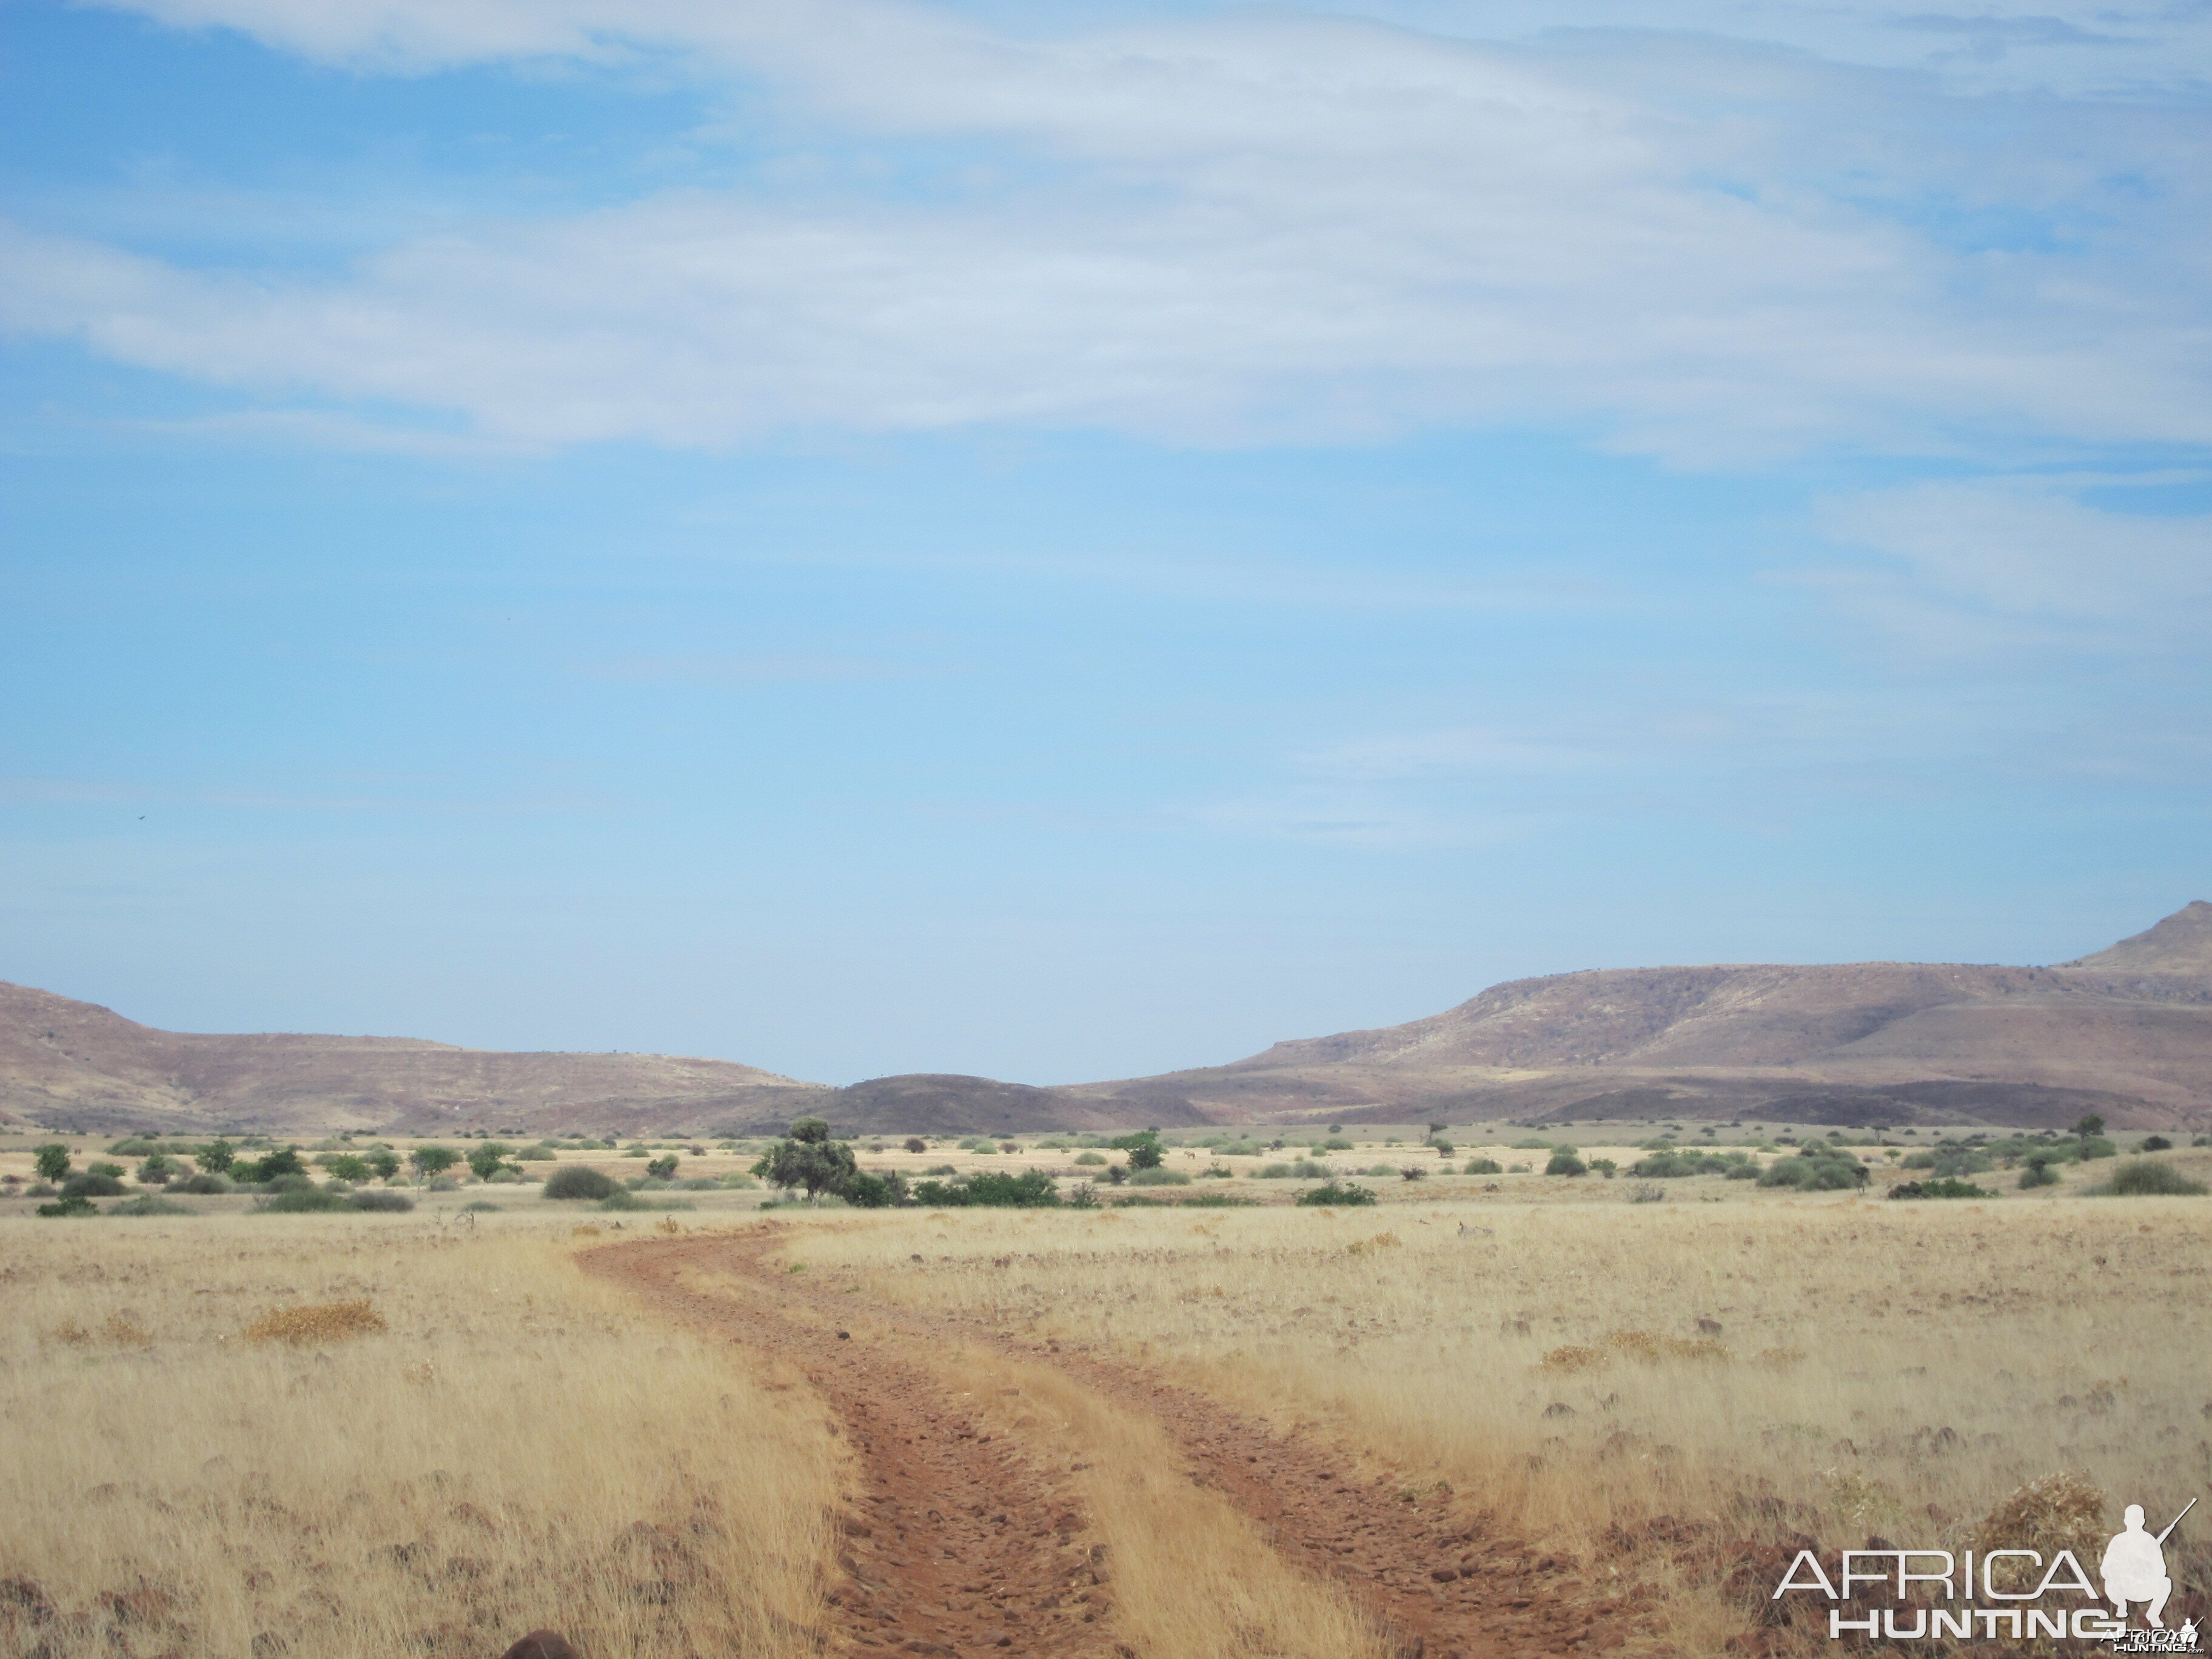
column 1708, row 1326
column 1466, row 1231
column 542, row 1645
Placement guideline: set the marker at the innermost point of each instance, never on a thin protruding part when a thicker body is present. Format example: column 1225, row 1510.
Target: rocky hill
column 67, row 1065
column 2126, row 1032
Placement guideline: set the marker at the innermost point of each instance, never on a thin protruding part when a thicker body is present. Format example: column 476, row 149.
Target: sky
column 1065, row 542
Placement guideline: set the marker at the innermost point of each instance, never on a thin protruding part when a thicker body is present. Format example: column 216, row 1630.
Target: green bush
column 541, row 1153
column 346, row 1166
column 480, row 1206
column 1303, row 1168
column 1091, row 1158
column 272, row 1166
column 2141, row 1177
column 1030, row 1189
column 134, row 1146
column 1816, row 1167
column 1940, row 1187
column 1333, row 1196
column 73, row 1205
column 622, row 1199
column 579, row 1181
column 662, row 1168
column 89, row 1185
column 202, row 1185
column 1565, row 1163
column 393, row 1203
column 1532, row 1146
column 1484, row 1166
column 299, row 1200
column 1156, row 1177
column 868, row 1189
column 150, row 1204
column 216, row 1157
column 157, row 1170
column 2037, row 1172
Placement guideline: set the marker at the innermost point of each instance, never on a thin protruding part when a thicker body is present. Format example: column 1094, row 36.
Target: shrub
column 1484, row 1166
column 346, row 1166
column 134, row 1146
column 1080, row 1157
column 328, row 1321
column 112, row 1171
column 1217, row 1172
column 1333, row 1196
column 433, row 1160
column 866, row 1189
column 202, row 1185
column 2096, row 1146
column 662, row 1168
column 916, row 1144
column 1377, row 1170
column 1816, row 1167
column 1940, row 1187
column 1413, row 1172
column 2037, row 1172
column 1155, row 1178
column 156, row 1171
column 73, row 1205
column 89, row 1185
column 2155, row 1144
column 541, row 1153
column 2139, row 1178
column 480, row 1205
column 622, row 1199
column 299, row 1200
column 1532, row 1146
column 487, row 1157
column 1030, row 1189
column 579, row 1181
column 393, row 1203
column 1565, row 1163
column 383, row 1162
column 216, row 1157
column 150, row 1204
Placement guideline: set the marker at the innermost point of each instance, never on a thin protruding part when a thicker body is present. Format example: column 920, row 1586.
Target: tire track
column 963, row 1545
column 970, row 1545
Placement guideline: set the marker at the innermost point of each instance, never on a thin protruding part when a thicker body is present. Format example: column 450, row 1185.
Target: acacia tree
column 432, row 1161
column 808, row 1157
column 216, row 1157
column 53, row 1160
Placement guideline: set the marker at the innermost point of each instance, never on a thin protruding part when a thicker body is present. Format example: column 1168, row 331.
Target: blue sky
column 1068, row 542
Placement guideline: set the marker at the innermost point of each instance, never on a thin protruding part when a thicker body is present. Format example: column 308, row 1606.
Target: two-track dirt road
column 972, row 1538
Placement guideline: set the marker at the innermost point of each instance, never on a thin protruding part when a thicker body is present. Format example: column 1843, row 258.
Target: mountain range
column 2125, row 1032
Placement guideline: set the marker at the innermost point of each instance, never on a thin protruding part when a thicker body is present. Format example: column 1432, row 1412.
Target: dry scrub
column 450, row 1440
column 1877, row 1367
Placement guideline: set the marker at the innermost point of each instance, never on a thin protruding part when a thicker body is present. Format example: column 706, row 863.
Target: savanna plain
column 1509, row 1415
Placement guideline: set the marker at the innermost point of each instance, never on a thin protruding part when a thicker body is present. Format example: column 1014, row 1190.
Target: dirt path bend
column 969, row 1544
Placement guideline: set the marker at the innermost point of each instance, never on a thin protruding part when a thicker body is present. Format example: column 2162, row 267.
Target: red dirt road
column 967, row 1545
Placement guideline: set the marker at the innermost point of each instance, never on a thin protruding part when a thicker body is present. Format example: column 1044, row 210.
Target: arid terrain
column 2126, row 1033
column 1499, row 1413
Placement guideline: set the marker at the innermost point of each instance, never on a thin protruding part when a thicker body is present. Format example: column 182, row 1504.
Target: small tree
column 916, row 1144
column 486, row 1157
column 663, row 1169
column 383, row 1162
column 271, row 1165
column 2090, row 1127
column 216, row 1157
column 346, row 1166
column 432, row 1161
column 807, row 1158
column 156, row 1170
column 53, row 1160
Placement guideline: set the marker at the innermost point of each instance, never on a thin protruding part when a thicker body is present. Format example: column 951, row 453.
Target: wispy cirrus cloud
column 1230, row 230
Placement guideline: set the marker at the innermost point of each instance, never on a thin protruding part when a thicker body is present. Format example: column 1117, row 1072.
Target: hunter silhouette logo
column 1932, row 1593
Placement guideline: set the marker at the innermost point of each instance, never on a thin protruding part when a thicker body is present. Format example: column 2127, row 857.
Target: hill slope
column 2127, row 1031
column 68, row 1065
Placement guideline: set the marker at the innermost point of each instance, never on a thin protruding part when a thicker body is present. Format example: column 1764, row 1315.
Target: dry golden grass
column 496, row 1443
column 1900, row 1368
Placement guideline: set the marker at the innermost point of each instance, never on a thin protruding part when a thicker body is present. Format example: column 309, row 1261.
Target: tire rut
column 960, row 1545
column 1441, row 1586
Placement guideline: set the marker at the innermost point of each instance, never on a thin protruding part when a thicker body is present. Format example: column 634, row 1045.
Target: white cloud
column 2022, row 564
column 1270, row 228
